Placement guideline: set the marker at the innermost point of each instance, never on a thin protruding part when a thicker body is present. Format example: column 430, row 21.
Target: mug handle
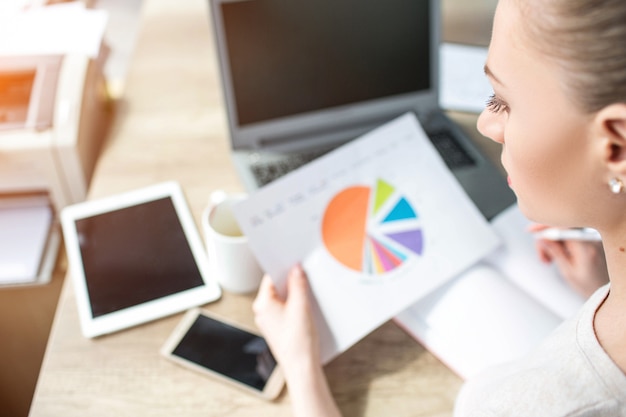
column 216, row 197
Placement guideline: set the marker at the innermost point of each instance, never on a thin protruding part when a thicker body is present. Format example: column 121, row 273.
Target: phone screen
column 232, row 352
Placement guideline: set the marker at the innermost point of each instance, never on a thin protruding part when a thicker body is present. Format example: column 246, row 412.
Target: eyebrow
column 491, row 75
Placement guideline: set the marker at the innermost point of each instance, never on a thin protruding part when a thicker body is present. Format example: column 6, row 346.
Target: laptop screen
column 289, row 57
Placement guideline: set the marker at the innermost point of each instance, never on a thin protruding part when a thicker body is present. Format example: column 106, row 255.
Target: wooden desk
column 171, row 126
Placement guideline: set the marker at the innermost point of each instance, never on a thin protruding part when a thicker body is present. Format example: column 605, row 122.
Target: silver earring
column 616, row 185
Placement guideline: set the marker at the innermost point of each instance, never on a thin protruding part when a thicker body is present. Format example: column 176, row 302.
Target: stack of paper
column 28, row 241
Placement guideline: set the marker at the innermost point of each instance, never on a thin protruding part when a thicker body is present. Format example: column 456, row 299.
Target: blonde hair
column 588, row 40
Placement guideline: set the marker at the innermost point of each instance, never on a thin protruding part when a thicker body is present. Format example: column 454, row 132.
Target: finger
column 561, row 257
column 580, row 250
column 298, row 285
column 267, row 292
column 297, row 273
column 536, row 227
column 267, row 285
column 266, row 288
column 557, row 250
column 542, row 252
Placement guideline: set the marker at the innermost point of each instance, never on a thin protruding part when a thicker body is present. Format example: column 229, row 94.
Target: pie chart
column 372, row 230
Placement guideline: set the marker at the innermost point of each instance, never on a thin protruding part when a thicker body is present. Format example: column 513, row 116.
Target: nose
column 490, row 124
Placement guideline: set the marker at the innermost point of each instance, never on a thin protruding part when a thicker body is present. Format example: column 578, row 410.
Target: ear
column 610, row 125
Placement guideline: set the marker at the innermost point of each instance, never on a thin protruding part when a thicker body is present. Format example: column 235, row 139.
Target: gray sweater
column 569, row 375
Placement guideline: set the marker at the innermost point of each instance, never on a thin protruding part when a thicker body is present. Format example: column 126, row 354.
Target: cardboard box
column 49, row 148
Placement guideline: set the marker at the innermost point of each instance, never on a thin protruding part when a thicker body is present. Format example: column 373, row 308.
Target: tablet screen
column 134, row 255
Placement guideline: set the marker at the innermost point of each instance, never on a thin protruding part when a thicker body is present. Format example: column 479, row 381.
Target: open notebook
column 496, row 311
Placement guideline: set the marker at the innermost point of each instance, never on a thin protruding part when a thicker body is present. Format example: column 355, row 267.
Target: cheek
column 530, row 156
column 528, row 168
column 544, row 160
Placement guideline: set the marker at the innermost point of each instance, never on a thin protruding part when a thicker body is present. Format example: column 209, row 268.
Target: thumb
column 298, row 286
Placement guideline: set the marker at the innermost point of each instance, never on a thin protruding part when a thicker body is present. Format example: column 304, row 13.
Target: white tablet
column 135, row 257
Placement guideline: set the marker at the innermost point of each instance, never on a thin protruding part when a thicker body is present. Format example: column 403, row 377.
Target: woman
column 558, row 69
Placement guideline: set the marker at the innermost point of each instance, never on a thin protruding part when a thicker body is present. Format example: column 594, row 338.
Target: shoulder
column 560, row 378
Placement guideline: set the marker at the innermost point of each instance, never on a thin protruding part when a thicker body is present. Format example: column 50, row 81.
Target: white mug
column 232, row 263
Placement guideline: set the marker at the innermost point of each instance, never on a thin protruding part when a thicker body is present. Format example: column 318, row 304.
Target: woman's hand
column 287, row 324
column 288, row 327
column 582, row 264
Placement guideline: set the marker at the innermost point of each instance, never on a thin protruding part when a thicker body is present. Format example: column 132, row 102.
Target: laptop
column 301, row 77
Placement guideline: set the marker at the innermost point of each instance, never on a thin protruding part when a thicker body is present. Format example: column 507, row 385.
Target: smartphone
column 228, row 351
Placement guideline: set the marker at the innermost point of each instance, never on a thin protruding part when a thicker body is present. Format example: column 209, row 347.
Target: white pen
column 553, row 233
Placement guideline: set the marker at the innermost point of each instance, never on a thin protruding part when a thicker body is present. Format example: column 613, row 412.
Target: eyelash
column 495, row 104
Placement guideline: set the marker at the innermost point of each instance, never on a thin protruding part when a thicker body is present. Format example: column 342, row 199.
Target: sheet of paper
column 518, row 261
column 498, row 310
column 377, row 224
column 24, row 233
column 53, row 30
column 463, row 85
column 478, row 320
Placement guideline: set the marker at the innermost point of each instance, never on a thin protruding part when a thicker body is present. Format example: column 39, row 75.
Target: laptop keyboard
column 452, row 152
column 266, row 172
